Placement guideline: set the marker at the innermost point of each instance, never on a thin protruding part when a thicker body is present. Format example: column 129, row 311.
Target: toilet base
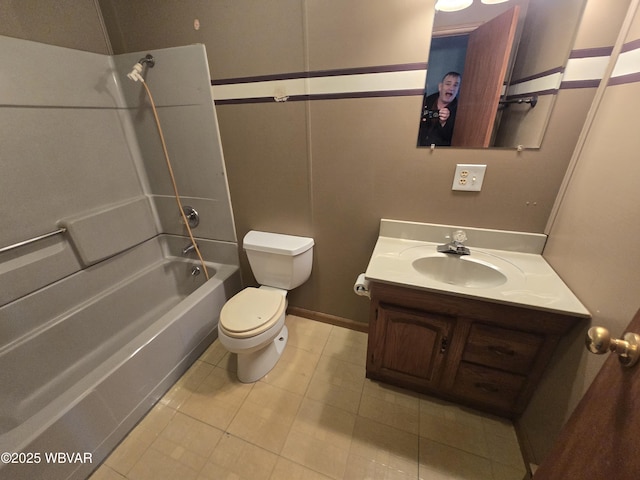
column 255, row 365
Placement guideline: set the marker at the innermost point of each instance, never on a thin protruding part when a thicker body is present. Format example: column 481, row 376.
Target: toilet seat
column 251, row 312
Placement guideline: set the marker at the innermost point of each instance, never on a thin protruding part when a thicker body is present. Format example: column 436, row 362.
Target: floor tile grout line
column 488, row 456
column 304, row 396
column 137, row 425
column 323, row 353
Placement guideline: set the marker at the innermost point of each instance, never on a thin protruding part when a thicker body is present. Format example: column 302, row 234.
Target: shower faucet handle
column 192, row 216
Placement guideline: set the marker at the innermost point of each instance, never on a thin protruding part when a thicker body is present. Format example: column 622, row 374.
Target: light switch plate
column 468, row 177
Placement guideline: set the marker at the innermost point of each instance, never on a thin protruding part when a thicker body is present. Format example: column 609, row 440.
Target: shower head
column 136, row 72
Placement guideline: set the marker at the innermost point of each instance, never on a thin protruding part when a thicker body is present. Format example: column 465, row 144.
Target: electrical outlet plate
column 468, row 177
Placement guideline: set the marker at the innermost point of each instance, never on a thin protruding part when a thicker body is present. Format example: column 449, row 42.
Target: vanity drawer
column 509, row 350
column 488, row 386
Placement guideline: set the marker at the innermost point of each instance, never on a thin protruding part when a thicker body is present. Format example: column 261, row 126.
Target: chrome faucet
column 456, row 246
column 188, row 248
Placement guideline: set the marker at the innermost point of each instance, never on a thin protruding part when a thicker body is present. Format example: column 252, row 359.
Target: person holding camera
column 439, row 112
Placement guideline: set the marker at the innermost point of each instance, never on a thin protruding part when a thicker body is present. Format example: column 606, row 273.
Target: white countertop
column 531, row 282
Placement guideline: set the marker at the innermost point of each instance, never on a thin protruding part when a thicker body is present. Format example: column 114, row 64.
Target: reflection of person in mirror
column 439, row 112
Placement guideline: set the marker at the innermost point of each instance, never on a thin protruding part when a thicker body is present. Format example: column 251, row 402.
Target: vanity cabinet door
column 408, row 347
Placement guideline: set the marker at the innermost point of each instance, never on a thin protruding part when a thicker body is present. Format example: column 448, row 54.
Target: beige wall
column 592, row 246
column 67, row 23
column 332, row 168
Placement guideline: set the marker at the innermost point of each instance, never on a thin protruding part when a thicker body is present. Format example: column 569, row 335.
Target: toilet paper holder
column 361, row 287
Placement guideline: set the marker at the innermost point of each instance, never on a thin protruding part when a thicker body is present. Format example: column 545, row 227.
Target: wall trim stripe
column 536, row 86
column 390, row 82
column 538, row 93
column 576, row 84
column 632, row 45
column 628, row 63
column 624, row 79
column 546, row 73
column 627, row 67
column 331, row 96
column 591, row 52
column 259, row 78
column 374, row 69
column 324, row 73
column 585, row 68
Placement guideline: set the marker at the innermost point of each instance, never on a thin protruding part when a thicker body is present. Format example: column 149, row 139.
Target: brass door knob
column 599, row 341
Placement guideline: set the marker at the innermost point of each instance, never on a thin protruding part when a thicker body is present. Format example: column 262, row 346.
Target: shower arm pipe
column 173, row 180
column 32, row 240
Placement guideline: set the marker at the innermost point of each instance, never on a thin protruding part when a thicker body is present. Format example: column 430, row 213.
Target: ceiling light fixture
column 493, row 2
column 452, row 5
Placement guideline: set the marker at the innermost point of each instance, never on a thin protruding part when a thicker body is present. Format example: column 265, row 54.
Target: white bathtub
column 83, row 359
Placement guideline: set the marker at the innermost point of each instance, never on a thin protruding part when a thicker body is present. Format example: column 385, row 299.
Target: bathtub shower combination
column 84, row 355
column 111, row 339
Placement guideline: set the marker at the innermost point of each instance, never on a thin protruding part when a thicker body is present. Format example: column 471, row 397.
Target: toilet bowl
column 252, row 326
column 252, row 323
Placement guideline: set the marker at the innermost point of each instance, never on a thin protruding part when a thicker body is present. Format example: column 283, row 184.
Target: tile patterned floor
column 313, row 417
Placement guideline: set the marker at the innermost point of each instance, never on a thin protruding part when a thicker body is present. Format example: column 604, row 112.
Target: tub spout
column 188, row 248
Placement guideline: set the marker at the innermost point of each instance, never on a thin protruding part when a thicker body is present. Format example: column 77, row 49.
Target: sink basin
column 463, row 271
column 503, row 267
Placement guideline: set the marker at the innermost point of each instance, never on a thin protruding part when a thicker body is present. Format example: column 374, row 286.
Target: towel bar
column 31, row 240
column 533, row 101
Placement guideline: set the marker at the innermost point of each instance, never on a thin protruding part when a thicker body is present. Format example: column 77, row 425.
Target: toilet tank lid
column 276, row 243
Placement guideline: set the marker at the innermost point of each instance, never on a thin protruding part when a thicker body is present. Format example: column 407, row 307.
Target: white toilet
column 252, row 321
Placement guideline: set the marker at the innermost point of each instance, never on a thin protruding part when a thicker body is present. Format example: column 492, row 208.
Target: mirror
column 510, row 57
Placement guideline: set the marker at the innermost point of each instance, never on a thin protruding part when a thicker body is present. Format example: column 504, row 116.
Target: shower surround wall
column 179, row 85
column 75, row 140
column 81, row 149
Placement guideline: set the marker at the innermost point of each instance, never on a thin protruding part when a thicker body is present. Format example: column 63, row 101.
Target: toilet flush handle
column 599, row 341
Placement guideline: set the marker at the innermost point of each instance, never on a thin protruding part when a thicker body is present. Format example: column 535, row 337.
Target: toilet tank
column 277, row 260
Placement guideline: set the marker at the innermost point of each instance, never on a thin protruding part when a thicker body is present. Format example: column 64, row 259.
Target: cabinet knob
column 599, row 341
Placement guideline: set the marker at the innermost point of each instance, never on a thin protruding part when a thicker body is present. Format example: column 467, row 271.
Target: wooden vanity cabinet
column 486, row 355
column 413, row 346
